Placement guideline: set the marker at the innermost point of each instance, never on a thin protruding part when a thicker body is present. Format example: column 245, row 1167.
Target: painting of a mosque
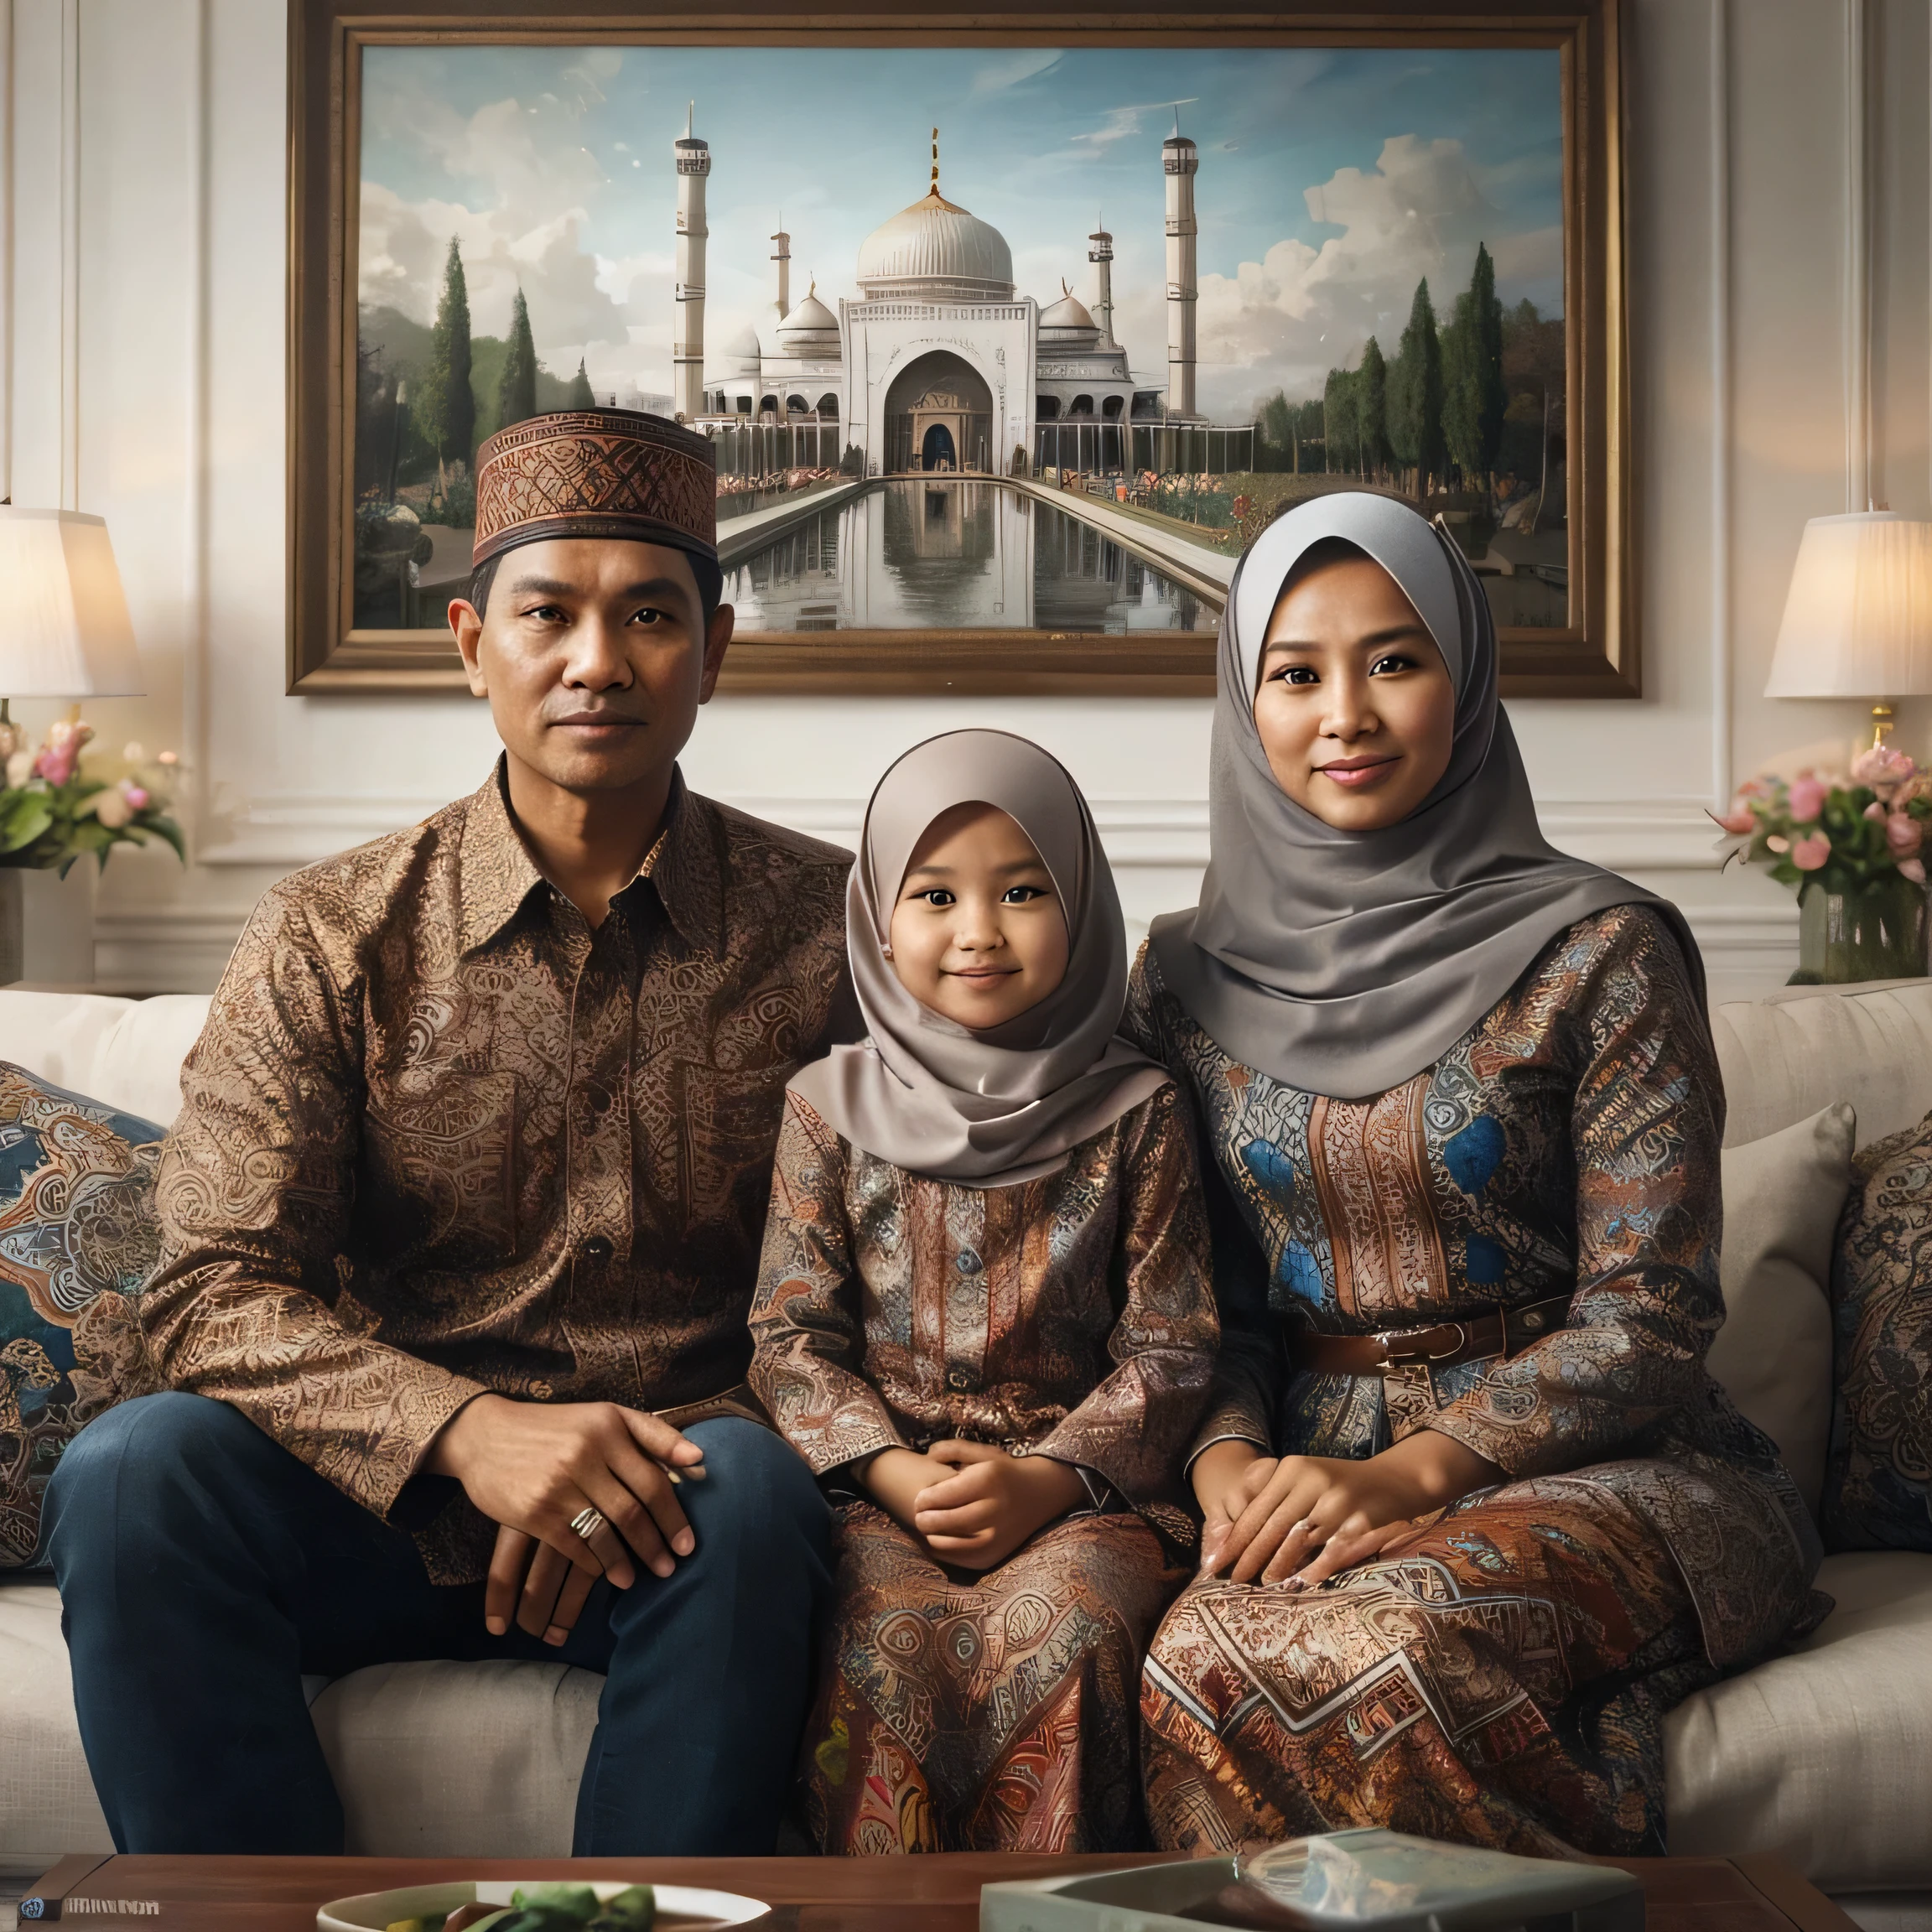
column 1030, row 341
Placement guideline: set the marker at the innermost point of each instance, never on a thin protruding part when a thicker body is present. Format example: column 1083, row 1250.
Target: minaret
column 782, row 256
column 687, row 347
column 1180, row 158
column 1101, row 255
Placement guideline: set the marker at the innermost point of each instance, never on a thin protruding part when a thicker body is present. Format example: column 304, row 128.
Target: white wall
column 1778, row 224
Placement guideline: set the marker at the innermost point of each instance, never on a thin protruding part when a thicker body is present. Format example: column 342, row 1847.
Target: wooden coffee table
column 925, row 1894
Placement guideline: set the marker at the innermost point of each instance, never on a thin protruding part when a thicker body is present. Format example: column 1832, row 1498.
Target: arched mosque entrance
column 944, row 393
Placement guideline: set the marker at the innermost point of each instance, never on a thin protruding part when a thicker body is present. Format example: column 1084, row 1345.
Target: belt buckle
column 1399, row 1356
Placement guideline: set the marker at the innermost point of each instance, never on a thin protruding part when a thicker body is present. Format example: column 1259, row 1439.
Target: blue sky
column 1330, row 181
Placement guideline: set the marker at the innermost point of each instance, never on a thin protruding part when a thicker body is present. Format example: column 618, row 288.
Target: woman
column 1475, row 1516
column 983, row 1316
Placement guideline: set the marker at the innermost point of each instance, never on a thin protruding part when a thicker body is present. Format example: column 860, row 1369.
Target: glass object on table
column 1874, row 932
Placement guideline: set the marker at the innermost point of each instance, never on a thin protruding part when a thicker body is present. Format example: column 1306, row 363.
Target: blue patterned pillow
column 1879, row 1472
column 77, row 1240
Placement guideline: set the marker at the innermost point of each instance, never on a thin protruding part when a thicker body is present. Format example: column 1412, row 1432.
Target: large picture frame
column 1551, row 531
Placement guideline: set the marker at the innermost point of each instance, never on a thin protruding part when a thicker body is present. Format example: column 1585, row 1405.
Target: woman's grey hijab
column 994, row 1107
column 1343, row 962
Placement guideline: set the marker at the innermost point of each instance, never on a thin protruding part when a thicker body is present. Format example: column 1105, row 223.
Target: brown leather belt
column 1508, row 1332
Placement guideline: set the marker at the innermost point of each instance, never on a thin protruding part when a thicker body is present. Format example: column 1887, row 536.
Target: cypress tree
column 450, row 350
column 517, row 386
column 1372, row 407
column 1474, row 397
column 1414, row 393
column 1339, row 419
column 580, row 396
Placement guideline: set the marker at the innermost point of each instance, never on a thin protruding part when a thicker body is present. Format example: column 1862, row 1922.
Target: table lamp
column 1858, row 620
column 64, row 627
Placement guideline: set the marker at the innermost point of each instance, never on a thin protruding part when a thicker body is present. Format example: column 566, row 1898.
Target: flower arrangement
column 1848, row 833
column 52, row 814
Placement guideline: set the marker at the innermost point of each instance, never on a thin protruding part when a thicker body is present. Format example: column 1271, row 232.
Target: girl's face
column 977, row 933
column 1355, row 709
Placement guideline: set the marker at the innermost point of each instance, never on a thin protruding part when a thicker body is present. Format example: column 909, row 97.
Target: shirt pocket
column 440, row 1170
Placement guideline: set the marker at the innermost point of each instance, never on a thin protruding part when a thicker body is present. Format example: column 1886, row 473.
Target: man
column 461, row 1219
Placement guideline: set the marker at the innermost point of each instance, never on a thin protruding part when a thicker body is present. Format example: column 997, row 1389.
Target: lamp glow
column 64, row 627
column 1858, row 618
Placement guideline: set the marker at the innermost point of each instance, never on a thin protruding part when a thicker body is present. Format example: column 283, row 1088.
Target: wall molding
column 294, row 828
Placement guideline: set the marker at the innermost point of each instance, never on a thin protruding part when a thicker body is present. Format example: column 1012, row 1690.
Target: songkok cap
column 596, row 473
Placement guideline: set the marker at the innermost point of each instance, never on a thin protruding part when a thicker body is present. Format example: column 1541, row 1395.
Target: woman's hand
column 1227, row 1477
column 1303, row 1519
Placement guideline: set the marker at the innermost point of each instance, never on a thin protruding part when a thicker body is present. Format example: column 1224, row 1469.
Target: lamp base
column 1880, row 725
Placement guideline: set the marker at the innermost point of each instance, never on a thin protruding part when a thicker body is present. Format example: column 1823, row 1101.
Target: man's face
column 595, row 656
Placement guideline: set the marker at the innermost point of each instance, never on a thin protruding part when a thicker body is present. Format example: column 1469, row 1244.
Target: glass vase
column 1875, row 932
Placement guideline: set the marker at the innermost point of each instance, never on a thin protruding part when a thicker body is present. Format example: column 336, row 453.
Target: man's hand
column 531, row 1467
column 1303, row 1519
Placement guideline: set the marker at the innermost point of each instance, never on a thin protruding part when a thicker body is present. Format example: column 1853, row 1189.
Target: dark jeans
column 203, row 1570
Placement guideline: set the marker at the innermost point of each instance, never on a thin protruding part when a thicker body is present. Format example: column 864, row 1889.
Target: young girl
column 983, row 1316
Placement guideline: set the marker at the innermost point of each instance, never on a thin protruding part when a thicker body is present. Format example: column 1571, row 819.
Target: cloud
column 1302, row 309
column 1122, row 123
column 1021, row 66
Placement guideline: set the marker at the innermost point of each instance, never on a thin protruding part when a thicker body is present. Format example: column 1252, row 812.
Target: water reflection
column 958, row 555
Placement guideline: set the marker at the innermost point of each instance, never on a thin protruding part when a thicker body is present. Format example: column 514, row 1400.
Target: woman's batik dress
column 1499, row 1676
column 1069, row 1317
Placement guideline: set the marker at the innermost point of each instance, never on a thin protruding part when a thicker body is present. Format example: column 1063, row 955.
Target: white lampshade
column 64, row 627
column 1858, row 620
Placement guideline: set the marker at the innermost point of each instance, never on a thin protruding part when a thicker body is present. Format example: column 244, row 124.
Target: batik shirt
column 1069, row 1316
column 440, row 1136
column 1567, row 1145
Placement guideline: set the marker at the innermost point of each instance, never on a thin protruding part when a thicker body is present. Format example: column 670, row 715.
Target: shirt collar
column 682, row 868
column 497, row 873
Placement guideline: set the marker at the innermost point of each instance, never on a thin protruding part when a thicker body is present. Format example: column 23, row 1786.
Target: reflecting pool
column 962, row 554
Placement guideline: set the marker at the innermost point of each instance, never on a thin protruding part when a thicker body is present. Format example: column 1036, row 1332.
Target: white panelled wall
column 1780, row 204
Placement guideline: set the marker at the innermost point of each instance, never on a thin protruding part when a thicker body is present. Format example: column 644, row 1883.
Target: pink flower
column 1883, row 768
column 1874, row 810
column 1778, row 843
column 1807, row 801
column 1913, row 870
column 137, row 796
column 1904, row 835
column 1737, row 819
column 1808, row 855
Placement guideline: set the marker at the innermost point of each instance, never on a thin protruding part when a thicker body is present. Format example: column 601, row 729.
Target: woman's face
column 1354, row 707
column 977, row 933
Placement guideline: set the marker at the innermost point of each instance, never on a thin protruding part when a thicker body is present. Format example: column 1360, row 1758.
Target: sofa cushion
column 1821, row 1755
column 1785, row 1057
column 1782, row 1199
column 1878, row 1474
column 126, row 1053
column 459, row 1760
column 78, row 1238
column 47, row 1801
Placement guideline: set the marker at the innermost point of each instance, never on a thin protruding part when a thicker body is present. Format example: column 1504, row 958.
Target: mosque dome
column 1067, row 324
column 936, row 248
column 810, row 326
column 742, row 352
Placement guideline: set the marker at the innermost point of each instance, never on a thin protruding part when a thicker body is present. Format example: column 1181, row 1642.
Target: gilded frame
column 1600, row 657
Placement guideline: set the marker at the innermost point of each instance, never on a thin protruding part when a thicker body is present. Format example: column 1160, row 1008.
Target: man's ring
column 588, row 1521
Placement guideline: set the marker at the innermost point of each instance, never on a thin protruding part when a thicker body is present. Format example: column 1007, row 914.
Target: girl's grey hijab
column 995, row 1107
column 1344, row 962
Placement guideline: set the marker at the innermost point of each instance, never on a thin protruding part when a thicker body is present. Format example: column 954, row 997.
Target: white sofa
column 1824, row 1755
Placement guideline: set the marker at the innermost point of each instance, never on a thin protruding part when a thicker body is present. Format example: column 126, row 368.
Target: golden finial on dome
column 935, row 160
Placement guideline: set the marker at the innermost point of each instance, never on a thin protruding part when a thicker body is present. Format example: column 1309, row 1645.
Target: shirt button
column 958, row 1379
column 598, row 1247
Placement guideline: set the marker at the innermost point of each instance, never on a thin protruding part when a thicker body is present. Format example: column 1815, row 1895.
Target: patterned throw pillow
column 77, row 1238
column 1878, row 1474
